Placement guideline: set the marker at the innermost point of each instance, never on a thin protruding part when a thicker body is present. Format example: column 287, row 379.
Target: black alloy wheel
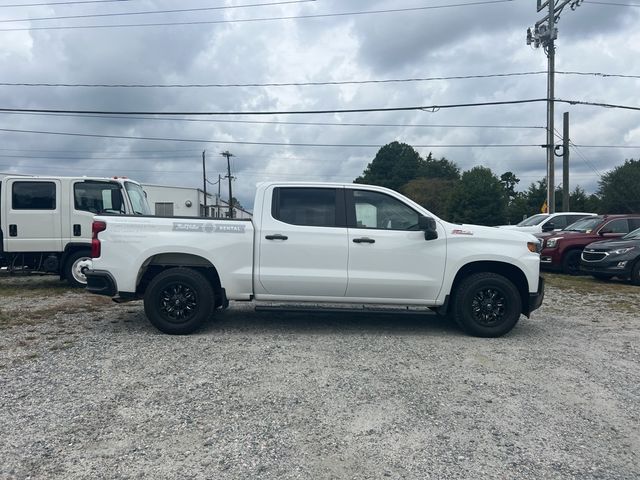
column 486, row 305
column 179, row 300
column 489, row 307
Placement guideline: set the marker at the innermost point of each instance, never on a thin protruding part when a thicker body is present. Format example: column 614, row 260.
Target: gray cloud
column 468, row 40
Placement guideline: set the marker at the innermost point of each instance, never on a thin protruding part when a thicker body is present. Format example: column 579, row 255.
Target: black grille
column 593, row 256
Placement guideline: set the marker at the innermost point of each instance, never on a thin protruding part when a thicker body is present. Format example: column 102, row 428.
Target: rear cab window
column 314, row 207
column 30, row 195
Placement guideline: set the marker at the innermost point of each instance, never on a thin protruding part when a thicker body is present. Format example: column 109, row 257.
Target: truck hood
column 529, row 229
column 490, row 233
column 614, row 244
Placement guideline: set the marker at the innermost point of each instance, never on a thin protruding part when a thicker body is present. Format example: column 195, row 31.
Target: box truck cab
column 45, row 222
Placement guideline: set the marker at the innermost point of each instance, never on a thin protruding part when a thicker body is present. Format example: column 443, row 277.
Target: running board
column 395, row 310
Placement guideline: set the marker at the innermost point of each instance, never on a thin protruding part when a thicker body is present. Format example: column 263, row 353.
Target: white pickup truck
column 319, row 243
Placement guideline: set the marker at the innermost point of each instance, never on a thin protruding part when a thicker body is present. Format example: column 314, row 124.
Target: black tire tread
column 461, row 311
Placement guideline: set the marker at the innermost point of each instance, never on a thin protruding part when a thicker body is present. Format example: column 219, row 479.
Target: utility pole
column 565, row 162
column 204, row 183
column 229, row 155
column 218, row 197
column 545, row 33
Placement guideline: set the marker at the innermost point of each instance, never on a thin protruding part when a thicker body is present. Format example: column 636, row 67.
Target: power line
column 235, row 142
column 431, row 108
column 426, row 108
column 598, row 74
column 272, row 84
column 264, row 19
column 263, row 122
column 73, row 2
column 152, row 12
column 614, row 4
column 308, row 84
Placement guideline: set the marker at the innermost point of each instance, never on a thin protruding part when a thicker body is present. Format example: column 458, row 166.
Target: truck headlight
column 534, row 247
column 621, row 251
column 552, row 242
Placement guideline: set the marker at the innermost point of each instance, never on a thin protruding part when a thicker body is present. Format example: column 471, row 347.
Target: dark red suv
column 561, row 251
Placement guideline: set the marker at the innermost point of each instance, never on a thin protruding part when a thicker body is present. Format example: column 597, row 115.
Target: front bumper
column 607, row 268
column 535, row 299
column 101, row 282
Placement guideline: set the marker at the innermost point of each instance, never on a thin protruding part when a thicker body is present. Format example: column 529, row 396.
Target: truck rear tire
column 486, row 305
column 179, row 300
column 72, row 272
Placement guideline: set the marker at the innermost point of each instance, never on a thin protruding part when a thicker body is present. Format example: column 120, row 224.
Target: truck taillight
column 96, row 228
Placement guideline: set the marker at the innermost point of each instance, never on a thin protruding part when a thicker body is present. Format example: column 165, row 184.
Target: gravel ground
column 88, row 389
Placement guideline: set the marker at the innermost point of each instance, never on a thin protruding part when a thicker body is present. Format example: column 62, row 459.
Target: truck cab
column 45, row 221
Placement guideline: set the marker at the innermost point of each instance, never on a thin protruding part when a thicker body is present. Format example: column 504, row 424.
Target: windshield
column 531, row 221
column 633, row 235
column 138, row 199
column 584, row 225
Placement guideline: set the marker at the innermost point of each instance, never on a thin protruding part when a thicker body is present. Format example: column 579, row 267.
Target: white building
column 169, row 201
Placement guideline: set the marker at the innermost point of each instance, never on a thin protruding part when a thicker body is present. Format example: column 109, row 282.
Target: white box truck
column 45, row 222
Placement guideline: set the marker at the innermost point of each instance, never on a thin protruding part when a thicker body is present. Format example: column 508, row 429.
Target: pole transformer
column 229, row 155
column 544, row 34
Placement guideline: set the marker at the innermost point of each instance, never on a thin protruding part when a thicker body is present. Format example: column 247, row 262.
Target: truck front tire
column 178, row 301
column 486, row 305
column 72, row 272
column 571, row 262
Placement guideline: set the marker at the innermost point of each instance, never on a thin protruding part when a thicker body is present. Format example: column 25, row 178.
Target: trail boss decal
column 207, row 227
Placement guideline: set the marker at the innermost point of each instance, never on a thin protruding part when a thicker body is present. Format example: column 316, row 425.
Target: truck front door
column 89, row 198
column 303, row 243
column 389, row 257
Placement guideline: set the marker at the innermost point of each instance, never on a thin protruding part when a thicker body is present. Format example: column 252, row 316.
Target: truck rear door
column 33, row 215
column 303, row 245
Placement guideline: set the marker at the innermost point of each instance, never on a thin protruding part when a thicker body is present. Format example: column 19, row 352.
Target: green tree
column 434, row 194
column 479, row 198
column 619, row 189
column 394, row 165
column 442, row 168
column 509, row 182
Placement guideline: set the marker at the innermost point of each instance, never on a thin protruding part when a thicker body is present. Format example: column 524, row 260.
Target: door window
column 98, row 197
column 33, row 196
column 315, row 207
column 559, row 222
column 379, row 211
column 616, row 226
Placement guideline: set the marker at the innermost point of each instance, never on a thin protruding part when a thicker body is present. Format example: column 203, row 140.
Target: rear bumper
column 101, row 282
column 535, row 299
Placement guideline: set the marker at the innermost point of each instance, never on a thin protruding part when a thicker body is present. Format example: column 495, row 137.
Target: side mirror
column 548, row 227
column 428, row 224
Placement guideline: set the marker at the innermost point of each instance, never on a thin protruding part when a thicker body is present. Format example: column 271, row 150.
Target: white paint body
column 51, row 229
column 314, row 264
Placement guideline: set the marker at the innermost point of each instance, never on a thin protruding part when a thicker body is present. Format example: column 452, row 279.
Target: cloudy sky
column 219, row 46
